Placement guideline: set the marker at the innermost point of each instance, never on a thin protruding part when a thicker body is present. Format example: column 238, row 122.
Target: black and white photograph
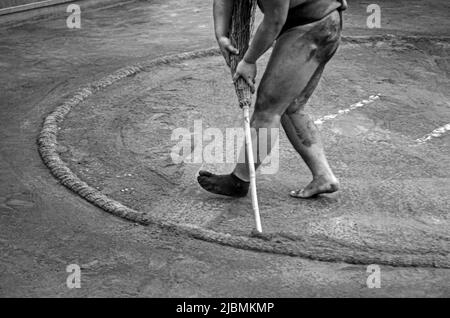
column 229, row 156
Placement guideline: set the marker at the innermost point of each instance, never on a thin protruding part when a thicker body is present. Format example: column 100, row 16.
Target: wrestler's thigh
column 290, row 68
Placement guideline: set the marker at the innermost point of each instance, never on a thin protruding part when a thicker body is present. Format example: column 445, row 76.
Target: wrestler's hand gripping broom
column 241, row 26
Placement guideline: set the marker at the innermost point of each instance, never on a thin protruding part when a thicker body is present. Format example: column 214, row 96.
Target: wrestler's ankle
column 326, row 176
column 240, row 177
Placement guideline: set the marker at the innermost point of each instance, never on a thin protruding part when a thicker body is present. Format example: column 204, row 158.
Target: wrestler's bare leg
column 305, row 138
column 296, row 63
column 304, row 135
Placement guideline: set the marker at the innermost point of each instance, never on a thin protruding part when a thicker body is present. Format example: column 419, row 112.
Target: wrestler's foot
column 227, row 184
column 320, row 184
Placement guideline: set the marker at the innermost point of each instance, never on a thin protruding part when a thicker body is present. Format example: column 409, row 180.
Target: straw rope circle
column 280, row 243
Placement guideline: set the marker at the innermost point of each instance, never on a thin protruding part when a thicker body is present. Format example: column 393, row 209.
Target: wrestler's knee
column 265, row 118
column 297, row 106
column 268, row 99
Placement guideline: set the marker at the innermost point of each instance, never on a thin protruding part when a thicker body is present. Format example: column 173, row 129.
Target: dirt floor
column 395, row 189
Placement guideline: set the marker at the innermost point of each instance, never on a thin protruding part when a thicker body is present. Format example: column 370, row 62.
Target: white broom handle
column 251, row 166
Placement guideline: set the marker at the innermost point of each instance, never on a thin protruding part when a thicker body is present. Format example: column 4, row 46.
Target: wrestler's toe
column 205, row 173
column 203, row 181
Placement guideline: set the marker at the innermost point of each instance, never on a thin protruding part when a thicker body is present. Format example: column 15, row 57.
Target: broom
column 241, row 26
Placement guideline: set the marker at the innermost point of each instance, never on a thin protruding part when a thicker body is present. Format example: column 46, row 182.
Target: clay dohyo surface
column 395, row 192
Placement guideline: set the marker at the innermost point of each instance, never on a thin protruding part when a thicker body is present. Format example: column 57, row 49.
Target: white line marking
column 434, row 134
column 362, row 103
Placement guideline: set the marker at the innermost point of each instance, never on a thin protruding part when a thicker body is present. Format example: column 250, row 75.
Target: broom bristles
column 241, row 28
